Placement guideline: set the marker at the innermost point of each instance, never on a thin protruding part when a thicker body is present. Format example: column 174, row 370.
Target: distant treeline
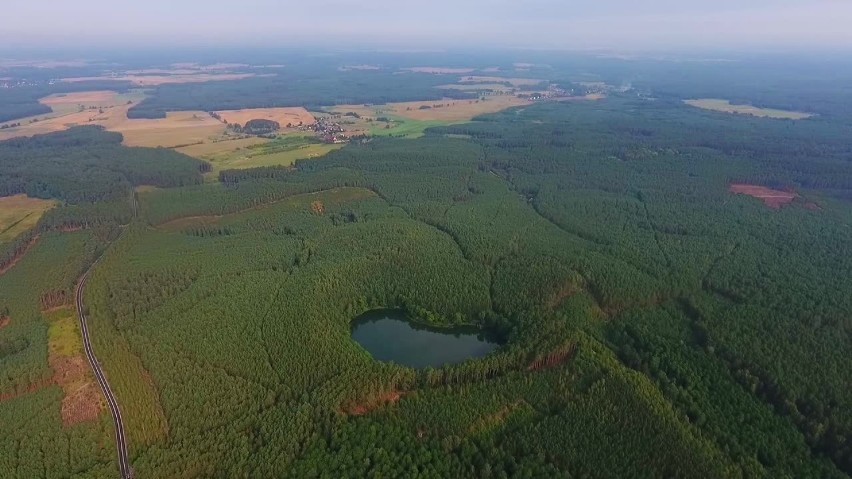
column 315, row 87
column 21, row 102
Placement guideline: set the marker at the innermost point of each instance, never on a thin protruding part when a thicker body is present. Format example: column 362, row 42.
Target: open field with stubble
column 179, row 128
column 103, row 107
column 410, row 119
column 19, row 213
column 256, row 152
column 726, row 107
column 284, row 116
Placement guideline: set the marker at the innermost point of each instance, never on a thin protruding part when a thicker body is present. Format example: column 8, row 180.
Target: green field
column 283, row 151
column 63, row 334
column 403, row 127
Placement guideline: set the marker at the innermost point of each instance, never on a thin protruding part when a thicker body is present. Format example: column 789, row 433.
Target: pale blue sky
column 628, row 24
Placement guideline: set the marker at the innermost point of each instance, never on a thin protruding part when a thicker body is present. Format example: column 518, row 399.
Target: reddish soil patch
column 83, row 404
column 82, row 400
column 29, row 389
column 564, row 291
column 553, row 358
column 21, row 252
column 772, row 198
column 67, row 368
column 53, row 299
column 362, row 408
column 496, row 418
column 4, row 321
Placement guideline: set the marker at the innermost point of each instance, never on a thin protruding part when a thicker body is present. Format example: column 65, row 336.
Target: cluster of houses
column 22, row 82
column 328, row 131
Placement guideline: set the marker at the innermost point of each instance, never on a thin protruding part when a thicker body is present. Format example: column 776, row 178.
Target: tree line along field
column 649, row 315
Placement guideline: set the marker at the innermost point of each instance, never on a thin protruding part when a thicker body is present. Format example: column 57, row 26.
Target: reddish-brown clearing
column 12, row 262
column 33, row 387
column 772, row 198
column 82, row 399
column 366, row 406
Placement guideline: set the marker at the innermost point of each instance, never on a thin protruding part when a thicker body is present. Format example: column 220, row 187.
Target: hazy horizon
column 540, row 24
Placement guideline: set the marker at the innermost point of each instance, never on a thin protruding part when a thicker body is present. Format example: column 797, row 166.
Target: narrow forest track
column 121, row 442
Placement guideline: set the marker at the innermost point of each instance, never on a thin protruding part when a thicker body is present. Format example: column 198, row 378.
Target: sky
column 544, row 24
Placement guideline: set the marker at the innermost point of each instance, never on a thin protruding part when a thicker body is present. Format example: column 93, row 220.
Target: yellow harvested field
column 215, row 66
column 154, row 80
column 19, row 213
column 212, row 148
column 439, row 70
column 58, row 123
column 513, row 81
column 104, row 108
column 283, row 116
column 80, row 98
column 476, row 87
column 439, row 110
column 726, row 107
column 179, row 128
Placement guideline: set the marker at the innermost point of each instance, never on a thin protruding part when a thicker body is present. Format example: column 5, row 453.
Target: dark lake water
column 388, row 336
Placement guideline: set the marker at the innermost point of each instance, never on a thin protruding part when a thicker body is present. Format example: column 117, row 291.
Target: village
column 327, row 130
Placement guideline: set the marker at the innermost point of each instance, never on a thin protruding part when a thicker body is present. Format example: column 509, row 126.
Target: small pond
column 388, row 335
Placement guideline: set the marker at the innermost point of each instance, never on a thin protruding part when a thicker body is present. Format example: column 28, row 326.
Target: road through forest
column 121, row 442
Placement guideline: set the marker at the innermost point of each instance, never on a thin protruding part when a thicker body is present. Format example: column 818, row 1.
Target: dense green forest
column 88, row 164
column 91, row 173
column 654, row 323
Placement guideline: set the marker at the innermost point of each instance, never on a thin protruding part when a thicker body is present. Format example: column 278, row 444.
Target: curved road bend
column 121, row 442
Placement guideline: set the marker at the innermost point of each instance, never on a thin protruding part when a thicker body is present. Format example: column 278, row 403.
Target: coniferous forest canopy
column 651, row 322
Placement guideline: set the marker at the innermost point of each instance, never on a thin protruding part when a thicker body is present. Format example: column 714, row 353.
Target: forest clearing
column 772, row 198
column 19, row 213
column 727, row 107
